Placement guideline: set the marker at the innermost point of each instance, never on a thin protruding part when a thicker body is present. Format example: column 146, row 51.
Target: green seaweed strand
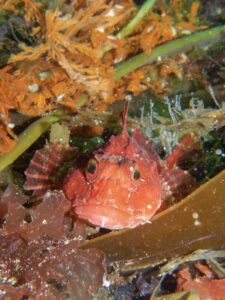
column 183, row 44
column 130, row 27
column 29, row 136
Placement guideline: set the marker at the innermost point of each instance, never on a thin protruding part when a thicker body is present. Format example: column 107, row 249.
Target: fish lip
column 136, row 220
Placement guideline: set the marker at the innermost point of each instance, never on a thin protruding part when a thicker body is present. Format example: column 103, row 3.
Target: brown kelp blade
column 197, row 222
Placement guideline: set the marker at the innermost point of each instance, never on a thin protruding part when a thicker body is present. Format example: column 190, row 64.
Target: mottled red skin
column 111, row 197
column 127, row 186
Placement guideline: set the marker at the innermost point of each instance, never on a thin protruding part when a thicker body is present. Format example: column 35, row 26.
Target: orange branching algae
column 9, row 5
column 6, row 142
column 75, row 53
column 33, row 90
column 70, row 41
column 154, row 30
column 160, row 30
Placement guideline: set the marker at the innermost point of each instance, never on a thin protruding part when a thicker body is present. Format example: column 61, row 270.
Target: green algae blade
column 28, row 137
column 200, row 38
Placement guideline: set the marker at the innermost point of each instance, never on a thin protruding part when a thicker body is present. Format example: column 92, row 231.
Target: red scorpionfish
column 122, row 186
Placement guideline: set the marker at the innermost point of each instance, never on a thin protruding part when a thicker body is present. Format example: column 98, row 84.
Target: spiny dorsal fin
column 124, row 118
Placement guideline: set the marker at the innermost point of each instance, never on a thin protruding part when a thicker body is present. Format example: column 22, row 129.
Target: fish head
column 116, row 191
column 120, row 186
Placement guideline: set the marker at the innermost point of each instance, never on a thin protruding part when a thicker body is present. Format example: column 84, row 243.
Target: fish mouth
column 109, row 217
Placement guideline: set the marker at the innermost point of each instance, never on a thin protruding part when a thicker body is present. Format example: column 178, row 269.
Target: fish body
column 122, row 185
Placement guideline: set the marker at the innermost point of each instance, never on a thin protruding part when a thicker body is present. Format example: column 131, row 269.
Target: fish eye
column 137, row 174
column 91, row 167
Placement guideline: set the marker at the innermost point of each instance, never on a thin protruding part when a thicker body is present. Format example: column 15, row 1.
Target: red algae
column 39, row 256
column 206, row 286
column 44, row 219
column 12, row 211
column 45, row 268
column 47, row 218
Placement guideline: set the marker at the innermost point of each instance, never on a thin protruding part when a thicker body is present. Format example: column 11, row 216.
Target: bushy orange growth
column 188, row 23
column 150, row 77
column 9, row 5
column 35, row 89
column 76, row 53
column 32, row 10
column 84, row 43
column 6, row 142
column 159, row 30
column 73, row 42
column 159, row 26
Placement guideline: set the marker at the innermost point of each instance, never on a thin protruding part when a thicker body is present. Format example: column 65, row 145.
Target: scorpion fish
column 122, row 185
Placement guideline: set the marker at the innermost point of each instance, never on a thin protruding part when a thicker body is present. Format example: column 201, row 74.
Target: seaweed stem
column 142, row 12
column 29, row 136
column 199, row 38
